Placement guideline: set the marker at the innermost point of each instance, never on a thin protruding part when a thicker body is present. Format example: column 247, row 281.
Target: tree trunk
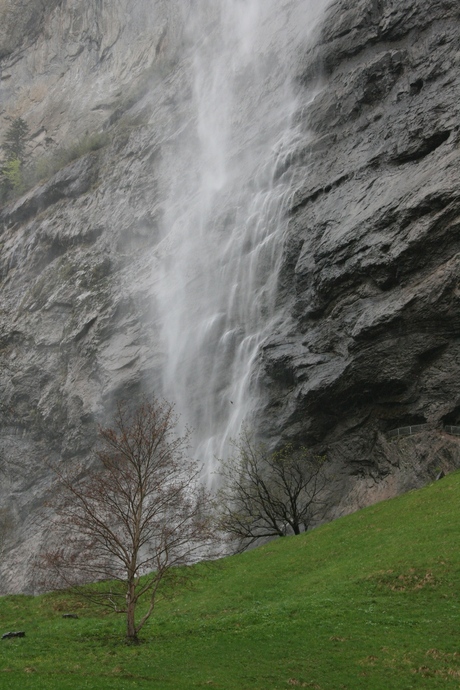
column 131, row 633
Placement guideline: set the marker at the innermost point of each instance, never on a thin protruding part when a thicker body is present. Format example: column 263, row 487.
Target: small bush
column 16, row 177
column 49, row 164
column 14, row 144
column 12, row 175
column 13, row 147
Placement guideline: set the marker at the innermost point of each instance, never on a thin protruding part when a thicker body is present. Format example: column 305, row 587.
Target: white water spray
column 224, row 220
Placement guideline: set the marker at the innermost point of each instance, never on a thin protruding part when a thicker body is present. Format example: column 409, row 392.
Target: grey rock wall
column 70, row 65
column 21, row 22
column 372, row 257
column 369, row 283
column 78, row 250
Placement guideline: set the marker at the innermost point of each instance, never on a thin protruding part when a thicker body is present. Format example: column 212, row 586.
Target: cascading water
column 225, row 217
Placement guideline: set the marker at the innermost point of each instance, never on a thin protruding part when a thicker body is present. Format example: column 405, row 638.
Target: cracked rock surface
column 371, row 264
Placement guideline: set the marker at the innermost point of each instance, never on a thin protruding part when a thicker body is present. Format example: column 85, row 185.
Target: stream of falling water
column 224, row 220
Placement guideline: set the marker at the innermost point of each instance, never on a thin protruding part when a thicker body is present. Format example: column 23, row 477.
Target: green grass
column 370, row 601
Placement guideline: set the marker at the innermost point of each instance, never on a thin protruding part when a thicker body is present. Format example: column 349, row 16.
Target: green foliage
column 13, row 147
column 12, row 174
column 14, row 143
column 368, row 601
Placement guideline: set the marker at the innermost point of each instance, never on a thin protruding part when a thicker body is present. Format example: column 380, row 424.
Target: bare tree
column 267, row 494
column 129, row 523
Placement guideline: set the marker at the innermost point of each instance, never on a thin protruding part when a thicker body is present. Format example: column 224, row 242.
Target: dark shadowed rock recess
column 369, row 286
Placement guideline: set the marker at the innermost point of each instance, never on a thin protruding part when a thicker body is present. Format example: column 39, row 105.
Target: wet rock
column 373, row 250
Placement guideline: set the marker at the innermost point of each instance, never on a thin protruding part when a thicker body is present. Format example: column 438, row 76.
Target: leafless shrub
column 267, row 494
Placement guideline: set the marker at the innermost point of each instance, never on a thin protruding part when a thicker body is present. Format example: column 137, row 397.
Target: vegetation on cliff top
column 368, row 601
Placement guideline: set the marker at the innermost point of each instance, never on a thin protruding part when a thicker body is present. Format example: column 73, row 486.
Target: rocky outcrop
column 22, row 21
column 372, row 254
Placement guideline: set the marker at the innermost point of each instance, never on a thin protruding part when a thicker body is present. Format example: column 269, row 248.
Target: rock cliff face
column 369, row 278
column 371, row 261
column 76, row 260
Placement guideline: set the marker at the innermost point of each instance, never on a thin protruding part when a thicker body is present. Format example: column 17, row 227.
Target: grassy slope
column 369, row 601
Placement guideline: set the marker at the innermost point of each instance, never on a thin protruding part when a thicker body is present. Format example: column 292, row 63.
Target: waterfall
column 224, row 219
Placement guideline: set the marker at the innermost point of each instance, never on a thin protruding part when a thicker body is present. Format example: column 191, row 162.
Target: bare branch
column 267, row 494
column 140, row 514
